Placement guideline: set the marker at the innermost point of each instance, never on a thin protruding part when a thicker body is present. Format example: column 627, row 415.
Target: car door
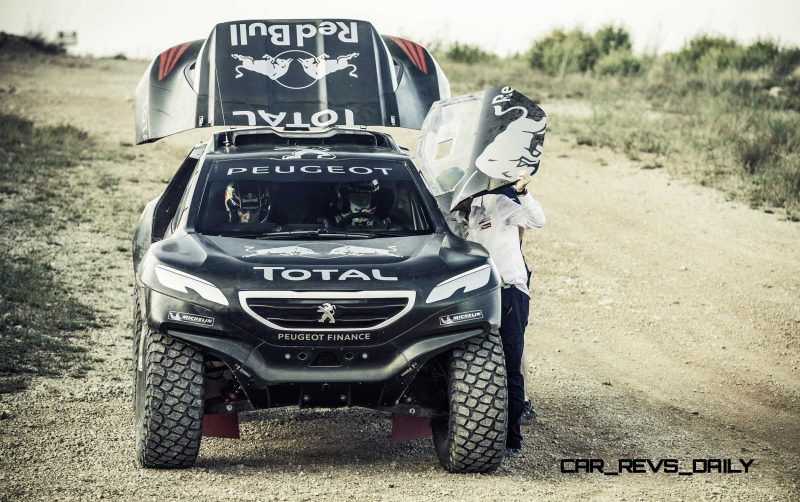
column 473, row 144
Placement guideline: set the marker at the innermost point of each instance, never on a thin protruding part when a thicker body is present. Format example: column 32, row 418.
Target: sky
column 143, row 28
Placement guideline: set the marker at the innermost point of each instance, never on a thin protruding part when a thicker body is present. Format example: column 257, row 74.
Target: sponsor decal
column 323, row 337
column 448, row 319
column 324, row 274
column 190, row 318
column 318, row 67
column 169, row 58
column 293, row 34
column 322, row 118
column 362, row 251
column 485, row 223
column 291, row 169
column 308, row 70
column 271, row 67
column 281, row 251
column 518, row 146
column 314, row 153
column 334, row 250
column 415, row 53
column 327, row 310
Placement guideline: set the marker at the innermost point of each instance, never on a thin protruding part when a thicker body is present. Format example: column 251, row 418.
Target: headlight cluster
column 180, row 281
column 468, row 281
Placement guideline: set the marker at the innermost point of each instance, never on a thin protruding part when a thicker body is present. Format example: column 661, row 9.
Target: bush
column 786, row 62
column 611, row 39
column 30, row 43
column 576, row 51
column 469, row 54
column 757, row 55
column 563, row 52
column 619, row 62
column 705, row 50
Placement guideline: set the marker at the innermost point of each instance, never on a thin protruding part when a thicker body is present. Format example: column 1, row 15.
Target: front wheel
column 168, row 403
column 473, row 437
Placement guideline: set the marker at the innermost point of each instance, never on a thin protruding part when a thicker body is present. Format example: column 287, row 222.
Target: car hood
column 323, row 251
column 237, row 264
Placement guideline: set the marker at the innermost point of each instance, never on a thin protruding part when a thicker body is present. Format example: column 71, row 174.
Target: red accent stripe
column 168, row 66
column 407, row 50
column 170, row 61
column 161, row 63
column 413, row 53
column 423, row 63
column 178, row 53
column 169, row 58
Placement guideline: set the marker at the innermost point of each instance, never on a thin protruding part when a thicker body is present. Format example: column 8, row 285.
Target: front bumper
column 278, row 372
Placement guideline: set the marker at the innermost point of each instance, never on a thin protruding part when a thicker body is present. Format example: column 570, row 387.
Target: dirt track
column 665, row 324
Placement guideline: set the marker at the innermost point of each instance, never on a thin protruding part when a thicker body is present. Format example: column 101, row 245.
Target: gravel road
column 665, row 323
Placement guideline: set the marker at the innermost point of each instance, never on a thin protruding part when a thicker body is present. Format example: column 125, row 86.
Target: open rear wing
column 288, row 73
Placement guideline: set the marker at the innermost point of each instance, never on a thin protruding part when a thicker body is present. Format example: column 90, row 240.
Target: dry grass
column 731, row 125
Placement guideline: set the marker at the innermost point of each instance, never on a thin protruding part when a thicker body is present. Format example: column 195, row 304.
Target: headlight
column 180, row 281
column 468, row 281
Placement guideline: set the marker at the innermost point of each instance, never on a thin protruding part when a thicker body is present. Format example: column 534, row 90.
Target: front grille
column 340, row 311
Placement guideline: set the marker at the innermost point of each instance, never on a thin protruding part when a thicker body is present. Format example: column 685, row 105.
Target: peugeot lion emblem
column 327, row 310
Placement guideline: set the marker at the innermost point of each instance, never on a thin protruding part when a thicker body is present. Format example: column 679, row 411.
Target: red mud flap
column 221, row 425
column 406, row 428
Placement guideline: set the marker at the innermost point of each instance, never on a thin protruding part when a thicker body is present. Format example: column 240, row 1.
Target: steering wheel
column 348, row 219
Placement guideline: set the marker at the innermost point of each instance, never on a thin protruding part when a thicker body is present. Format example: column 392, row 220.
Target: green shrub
column 563, row 52
column 786, row 62
column 705, row 50
column 611, row 39
column 619, row 62
column 469, row 54
column 759, row 54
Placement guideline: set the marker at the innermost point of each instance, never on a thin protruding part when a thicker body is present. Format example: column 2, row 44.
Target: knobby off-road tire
column 473, row 438
column 168, row 403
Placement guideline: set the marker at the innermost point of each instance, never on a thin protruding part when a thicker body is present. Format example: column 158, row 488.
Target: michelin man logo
column 281, row 70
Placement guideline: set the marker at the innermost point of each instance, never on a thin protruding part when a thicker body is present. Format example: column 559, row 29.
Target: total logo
column 325, row 274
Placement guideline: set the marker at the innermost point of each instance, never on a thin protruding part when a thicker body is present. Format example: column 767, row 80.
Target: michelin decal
column 448, row 319
column 190, row 318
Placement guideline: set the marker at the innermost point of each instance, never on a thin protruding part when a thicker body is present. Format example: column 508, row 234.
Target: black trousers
column 514, row 318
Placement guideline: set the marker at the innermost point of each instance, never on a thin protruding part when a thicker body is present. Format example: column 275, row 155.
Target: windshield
column 273, row 198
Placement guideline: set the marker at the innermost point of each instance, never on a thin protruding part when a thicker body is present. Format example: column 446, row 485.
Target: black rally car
column 308, row 263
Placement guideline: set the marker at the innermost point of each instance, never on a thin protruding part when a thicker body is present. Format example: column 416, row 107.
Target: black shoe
column 528, row 413
column 514, row 453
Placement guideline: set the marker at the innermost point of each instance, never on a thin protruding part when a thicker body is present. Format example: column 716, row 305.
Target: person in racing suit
column 494, row 220
column 247, row 202
column 358, row 203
